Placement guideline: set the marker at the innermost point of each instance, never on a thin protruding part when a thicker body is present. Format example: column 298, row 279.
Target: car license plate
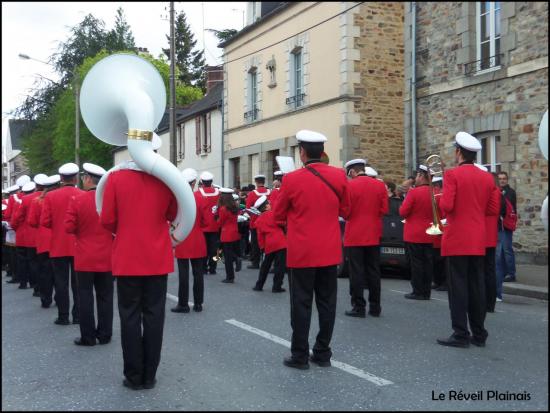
column 392, row 250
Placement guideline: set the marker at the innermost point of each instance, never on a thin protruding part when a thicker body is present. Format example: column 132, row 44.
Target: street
column 229, row 357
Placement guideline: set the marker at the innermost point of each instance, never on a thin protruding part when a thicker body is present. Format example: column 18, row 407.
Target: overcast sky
column 36, row 28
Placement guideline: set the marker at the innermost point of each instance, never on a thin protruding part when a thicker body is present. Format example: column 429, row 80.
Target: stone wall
column 380, row 133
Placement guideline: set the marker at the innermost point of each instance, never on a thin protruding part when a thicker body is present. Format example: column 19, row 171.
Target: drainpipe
column 413, row 85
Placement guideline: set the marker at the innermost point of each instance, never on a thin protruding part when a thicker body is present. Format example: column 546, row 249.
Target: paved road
column 229, row 357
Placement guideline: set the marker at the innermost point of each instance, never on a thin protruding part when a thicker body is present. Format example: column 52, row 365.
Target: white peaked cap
column 68, row 169
column 40, row 179
column 13, row 188
column 467, row 141
column 259, row 176
column 22, row 180
column 370, row 171
column 278, row 173
column 437, row 179
column 235, row 197
column 29, row 186
column 260, row 201
column 92, row 169
column 189, row 174
column 310, row 136
column 156, row 142
column 5, row 191
column 423, row 168
column 483, row 168
column 226, row 190
column 355, row 162
column 53, row 179
column 206, row 176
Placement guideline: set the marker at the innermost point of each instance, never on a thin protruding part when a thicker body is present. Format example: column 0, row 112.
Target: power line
column 296, row 34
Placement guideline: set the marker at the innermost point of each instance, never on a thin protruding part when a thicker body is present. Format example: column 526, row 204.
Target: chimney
column 214, row 75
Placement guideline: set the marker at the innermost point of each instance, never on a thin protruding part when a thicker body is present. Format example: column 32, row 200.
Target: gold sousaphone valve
column 140, row 135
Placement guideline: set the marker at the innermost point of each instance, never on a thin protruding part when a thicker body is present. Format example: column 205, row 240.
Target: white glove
column 242, row 218
column 214, row 209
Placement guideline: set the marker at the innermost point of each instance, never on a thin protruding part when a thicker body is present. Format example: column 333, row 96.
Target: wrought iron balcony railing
column 482, row 64
column 296, row 100
column 251, row 114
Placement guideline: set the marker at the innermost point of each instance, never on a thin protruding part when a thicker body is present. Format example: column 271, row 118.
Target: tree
column 120, row 37
column 223, row 35
column 190, row 63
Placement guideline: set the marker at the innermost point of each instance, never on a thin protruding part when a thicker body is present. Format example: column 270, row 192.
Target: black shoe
column 104, row 340
column 476, row 342
column 130, row 385
column 319, row 362
column 238, row 265
column 149, row 384
column 181, row 309
column 36, row 294
column 212, row 272
column 375, row 311
column 228, row 280
column 491, row 310
column 81, row 342
column 413, row 296
column 356, row 313
column 23, row 287
column 62, row 321
column 509, row 279
column 452, row 341
column 434, row 286
column 197, row 308
column 291, row 362
column 45, row 305
column 278, row 290
column 442, row 287
column 253, row 267
column 76, row 320
column 256, row 288
column 12, row 281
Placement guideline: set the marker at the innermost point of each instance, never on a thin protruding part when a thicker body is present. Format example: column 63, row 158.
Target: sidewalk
column 532, row 281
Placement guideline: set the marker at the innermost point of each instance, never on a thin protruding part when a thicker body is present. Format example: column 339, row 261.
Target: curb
column 540, row 293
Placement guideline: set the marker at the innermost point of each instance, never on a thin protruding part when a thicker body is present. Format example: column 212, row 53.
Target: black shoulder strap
column 316, row 173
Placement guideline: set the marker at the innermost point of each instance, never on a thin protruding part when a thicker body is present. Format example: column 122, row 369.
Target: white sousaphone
column 122, row 100
column 543, row 145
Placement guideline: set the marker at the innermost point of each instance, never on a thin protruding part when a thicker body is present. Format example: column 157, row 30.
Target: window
column 489, row 154
column 198, row 135
column 296, row 156
column 488, row 34
column 297, row 80
column 254, row 166
column 252, row 113
column 181, row 141
column 207, row 136
column 236, row 168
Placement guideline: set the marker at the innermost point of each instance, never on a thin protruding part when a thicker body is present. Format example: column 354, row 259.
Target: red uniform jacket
column 194, row 246
column 417, row 210
column 273, row 196
column 210, row 198
column 26, row 235
column 491, row 221
column 368, row 204
column 136, row 208
column 15, row 202
column 43, row 234
column 311, row 209
column 11, row 205
column 228, row 224
column 271, row 237
column 251, row 199
column 54, row 209
column 93, row 242
column 466, row 200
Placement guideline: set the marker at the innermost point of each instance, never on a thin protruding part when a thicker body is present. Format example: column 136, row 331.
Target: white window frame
column 253, row 93
column 297, row 72
column 492, row 142
column 492, row 36
column 181, row 141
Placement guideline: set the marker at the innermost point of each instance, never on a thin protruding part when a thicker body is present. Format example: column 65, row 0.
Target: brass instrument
column 219, row 256
column 435, row 168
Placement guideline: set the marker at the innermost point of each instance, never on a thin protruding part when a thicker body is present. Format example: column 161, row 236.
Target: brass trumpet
column 435, row 168
column 219, row 255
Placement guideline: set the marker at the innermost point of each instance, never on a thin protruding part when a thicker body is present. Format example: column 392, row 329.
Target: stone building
column 14, row 163
column 333, row 67
column 482, row 67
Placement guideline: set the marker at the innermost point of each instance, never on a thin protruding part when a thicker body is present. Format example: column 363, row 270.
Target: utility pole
column 173, row 143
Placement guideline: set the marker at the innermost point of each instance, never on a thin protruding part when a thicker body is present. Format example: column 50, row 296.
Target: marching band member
column 417, row 210
column 272, row 241
column 210, row 197
column 277, row 181
column 192, row 251
column 62, row 244
column 10, row 235
column 466, row 200
column 226, row 213
column 141, row 259
column 92, row 261
column 20, row 253
column 368, row 204
column 314, row 247
column 252, row 197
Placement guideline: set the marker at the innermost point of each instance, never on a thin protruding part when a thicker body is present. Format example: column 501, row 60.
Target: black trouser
column 141, row 300
column 212, row 243
column 231, row 251
column 245, row 245
column 280, row 268
column 12, row 262
column 303, row 282
column 33, row 268
column 255, row 253
column 466, row 285
column 23, row 266
column 45, row 278
column 62, row 267
column 197, row 265
column 102, row 282
column 421, row 268
column 440, row 273
column 364, row 265
column 490, row 278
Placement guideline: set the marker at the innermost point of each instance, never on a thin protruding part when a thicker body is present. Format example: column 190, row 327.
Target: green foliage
column 223, row 35
column 120, row 37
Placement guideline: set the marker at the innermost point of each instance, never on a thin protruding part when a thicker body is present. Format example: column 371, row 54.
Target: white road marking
column 174, row 298
column 342, row 366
